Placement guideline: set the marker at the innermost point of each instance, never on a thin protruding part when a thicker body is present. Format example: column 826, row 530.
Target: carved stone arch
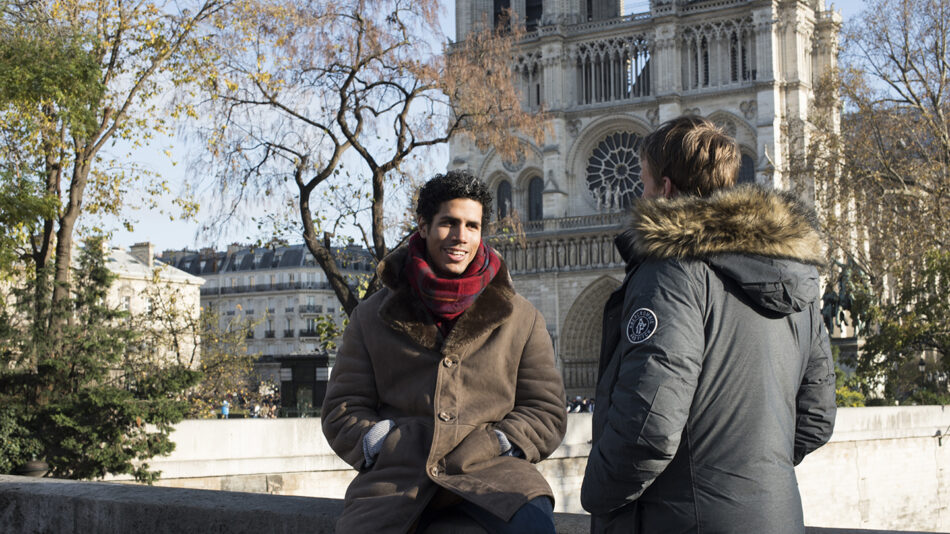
column 736, row 126
column 587, row 140
column 530, row 208
column 495, row 178
column 493, row 162
column 581, row 335
column 493, row 182
column 527, row 174
column 594, row 132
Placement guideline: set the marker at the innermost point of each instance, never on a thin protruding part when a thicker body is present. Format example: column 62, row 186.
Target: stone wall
column 42, row 505
column 885, row 468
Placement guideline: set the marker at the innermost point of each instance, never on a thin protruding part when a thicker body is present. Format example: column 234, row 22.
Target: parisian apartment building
column 279, row 294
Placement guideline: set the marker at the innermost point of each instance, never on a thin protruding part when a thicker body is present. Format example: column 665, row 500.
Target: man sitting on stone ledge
column 444, row 391
column 716, row 376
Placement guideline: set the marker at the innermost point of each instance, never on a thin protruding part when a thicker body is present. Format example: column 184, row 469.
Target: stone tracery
column 612, row 69
column 613, row 171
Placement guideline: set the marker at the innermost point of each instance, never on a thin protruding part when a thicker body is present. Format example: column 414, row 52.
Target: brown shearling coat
column 495, row 370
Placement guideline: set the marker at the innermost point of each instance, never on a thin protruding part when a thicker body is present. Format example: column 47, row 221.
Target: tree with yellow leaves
column 331, row 106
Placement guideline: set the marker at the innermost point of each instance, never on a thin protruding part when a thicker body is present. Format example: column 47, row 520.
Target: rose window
column 613, row 171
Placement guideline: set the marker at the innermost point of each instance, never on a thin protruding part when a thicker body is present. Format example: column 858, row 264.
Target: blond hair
column 697, row 156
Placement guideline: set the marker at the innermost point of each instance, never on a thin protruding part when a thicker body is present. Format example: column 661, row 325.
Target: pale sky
column 155, row 226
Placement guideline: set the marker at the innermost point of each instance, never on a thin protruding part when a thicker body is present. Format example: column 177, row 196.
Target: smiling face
column 453, row 236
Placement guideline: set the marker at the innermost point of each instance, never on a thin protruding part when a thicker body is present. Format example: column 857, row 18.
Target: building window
column 503, row 197
column 608, row 74
column 533, row 10
column 501, row 6
column 613, row 171
column 535, row 199
column 746, row 170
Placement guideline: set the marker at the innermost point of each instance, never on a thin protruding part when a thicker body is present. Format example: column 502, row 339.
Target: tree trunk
column 64, row 235
column 322, row 253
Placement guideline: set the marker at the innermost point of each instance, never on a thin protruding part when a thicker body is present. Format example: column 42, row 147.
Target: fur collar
column 406, row 313
column 745, row 219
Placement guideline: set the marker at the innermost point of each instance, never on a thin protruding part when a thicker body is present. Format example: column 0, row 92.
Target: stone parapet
column 885, row 468
column 31, row 505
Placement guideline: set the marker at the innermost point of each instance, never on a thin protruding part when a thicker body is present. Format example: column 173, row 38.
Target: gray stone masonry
column 49, row 506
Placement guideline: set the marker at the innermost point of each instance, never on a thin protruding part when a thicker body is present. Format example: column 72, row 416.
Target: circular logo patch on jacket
column 641, row 326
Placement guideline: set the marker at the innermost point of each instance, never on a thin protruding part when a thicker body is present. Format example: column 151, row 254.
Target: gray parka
column 716, row 376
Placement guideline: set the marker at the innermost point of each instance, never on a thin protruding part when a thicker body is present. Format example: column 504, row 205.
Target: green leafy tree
column 76, row 75
column 907, row 343
column 91, row 401
column 879, row 154
column 226, row 365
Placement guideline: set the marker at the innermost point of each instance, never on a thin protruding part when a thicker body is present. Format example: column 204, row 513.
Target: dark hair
column 695, row 154
column 449, row 186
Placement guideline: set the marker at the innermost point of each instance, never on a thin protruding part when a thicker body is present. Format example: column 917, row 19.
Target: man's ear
column 669, row 190
column 423, row 227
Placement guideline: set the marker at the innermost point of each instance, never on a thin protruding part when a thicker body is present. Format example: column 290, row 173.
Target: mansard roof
column 250, row 259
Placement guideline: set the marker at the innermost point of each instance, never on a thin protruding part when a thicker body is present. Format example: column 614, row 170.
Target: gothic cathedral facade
column 606, row 79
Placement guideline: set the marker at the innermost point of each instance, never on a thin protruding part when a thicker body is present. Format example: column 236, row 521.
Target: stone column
column 666, row 70
column 769, row 76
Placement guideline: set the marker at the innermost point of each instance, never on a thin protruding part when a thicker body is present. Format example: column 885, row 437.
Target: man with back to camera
column 444, row 391
column 716, row 376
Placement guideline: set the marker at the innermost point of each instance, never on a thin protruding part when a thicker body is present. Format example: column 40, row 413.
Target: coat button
column 448, row 361
column 446, row 416
column 435, row 471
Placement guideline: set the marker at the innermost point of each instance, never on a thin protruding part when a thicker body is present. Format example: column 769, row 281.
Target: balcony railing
column 268, row 333
column 309, row 333
column 280, row 286
column 561, row 224
column 289, row 309
column 289, row 333
column 311, row 308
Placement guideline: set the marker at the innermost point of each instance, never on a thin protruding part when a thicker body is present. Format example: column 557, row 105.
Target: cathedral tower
column 606, row 79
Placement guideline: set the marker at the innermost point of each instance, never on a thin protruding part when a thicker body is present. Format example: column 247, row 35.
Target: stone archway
column 581, row 335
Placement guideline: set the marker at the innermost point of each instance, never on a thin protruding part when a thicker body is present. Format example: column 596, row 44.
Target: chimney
column 144, row 252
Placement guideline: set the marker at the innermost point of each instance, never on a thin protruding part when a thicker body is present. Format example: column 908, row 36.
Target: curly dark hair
column 449, row 186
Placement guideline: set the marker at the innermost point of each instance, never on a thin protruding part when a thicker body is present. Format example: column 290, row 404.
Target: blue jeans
column 535, row 517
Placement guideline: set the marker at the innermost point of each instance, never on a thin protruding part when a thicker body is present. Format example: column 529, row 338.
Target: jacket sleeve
column 538, row 421
column 656, row 380
column 350, row 404
column 815, row 403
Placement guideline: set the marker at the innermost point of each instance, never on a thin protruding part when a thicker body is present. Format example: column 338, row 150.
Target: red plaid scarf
column 448, row 298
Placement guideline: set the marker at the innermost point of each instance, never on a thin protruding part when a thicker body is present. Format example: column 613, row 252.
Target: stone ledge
column 42, row 505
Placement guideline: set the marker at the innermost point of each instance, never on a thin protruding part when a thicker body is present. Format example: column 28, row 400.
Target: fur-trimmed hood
column 766, row 240
column 745, row 219
column 406, row 313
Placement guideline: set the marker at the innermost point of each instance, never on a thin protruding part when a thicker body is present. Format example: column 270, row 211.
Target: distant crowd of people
column 267, row 406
